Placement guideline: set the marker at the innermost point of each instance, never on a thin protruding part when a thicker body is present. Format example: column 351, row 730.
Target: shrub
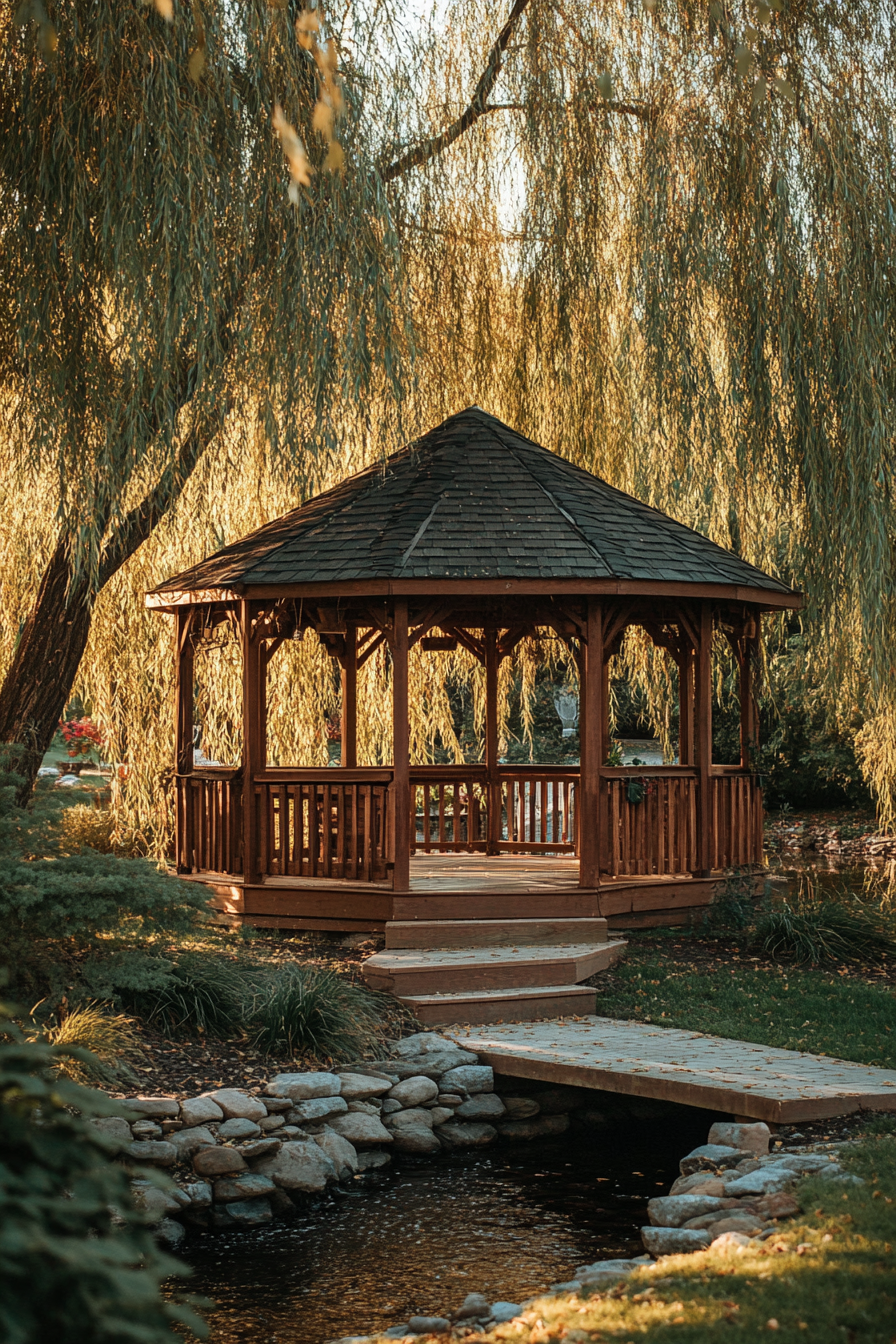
column 733, row 908
column 816, row 927
column 84, row 827
column 304, row 1010
column 77, row 1261
column 199, row 993
column 108, row 1038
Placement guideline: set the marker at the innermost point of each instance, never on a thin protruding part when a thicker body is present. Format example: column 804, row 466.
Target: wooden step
column 453, row 970
column 433, row 933
column 503, row 1005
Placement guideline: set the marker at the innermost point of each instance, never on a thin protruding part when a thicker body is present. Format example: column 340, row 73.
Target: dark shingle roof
column 472, row 499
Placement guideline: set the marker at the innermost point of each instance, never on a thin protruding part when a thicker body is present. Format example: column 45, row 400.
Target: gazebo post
column 401, row 773
column 749, row 647
column 254, row 736
column 593, row 731
column 183, row 731
column 703, row 740
column 492, row 782
column 686, row 707
column 349, row 726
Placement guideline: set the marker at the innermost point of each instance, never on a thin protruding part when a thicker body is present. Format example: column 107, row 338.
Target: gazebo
column 471, row 536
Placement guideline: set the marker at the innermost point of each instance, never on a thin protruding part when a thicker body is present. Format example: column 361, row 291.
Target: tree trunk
column 43, row 669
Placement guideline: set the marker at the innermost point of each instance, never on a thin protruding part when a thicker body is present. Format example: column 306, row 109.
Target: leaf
column 743, row 59
column 323, row 118
column 196, row 63
column 335, row 160
column 300, row 169
column 166, row 9
column 307, row 24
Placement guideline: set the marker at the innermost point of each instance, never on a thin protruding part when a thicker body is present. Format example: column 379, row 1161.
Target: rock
column 390, row 1106
column 520, row 1108
column 750, row 1138
column 239, row 1129
column 568, row 1286
column 780, row 1204
column 474, row 1304
column 674, row 1210
column 709, row 1157
column 730, row 1241
column 536, row 1128
column 157, row 1152
column 365, row 1107
column 169, row 1126
column 591, row 1119
column 155, row 1203
column 428, row 1325
column 238, row 1105
column 460, row 1135
column 416, row 1139
column 243, row 1187
column 157, row 1106
column 281, row 1203
column 413, row 1091
column 189, row 1141
column 559, row 1100
column 422, row 1043
column 449, row 1099
column 252, row 1152
column 606, row 1272
column 699, row 1183
column 361, row 1087
column 434, row 1065
column 274, row 1105
column 299, row 1166
column 440, row 1114
column 268, row 1123
column 762, row 1182
column 199, row 1111
column 304, row 1086
column 200, row 1193
column 341, row 1153
column 218, row 1162
column 841, row 1177
column 484, row 1106
column 733, row 1222
column 502, row 1312
column 673, row 1240
column 250, row 1212
column 316, row 1108
column 170, row 1233
column 470, row 1078
column 803, row 1163
column 115, row 1133
column 290, row 1132
column 363, row 1131
column 372, row 1160
column 146, row 1129
column 415, row 1116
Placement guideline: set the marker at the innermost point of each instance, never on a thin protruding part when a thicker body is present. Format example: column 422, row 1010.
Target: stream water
column 414, row 1241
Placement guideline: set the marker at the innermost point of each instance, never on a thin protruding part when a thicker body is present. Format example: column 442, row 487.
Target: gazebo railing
column 538, row 809
column 736, row 829
column 209, row 822
column 449, row 809
column 323, row 823
column 649, row 821
column 535, row 807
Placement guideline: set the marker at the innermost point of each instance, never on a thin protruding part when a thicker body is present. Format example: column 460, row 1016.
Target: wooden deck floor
column 708, row 1071
column 503, row 872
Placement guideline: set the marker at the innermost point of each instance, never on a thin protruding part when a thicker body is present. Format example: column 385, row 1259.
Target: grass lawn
column 712, row 985
column 828, row 1278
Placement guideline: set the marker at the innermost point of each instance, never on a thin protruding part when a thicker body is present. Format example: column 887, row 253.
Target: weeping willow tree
column 658, row 237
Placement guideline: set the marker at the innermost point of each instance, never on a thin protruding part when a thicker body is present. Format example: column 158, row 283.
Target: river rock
column 390, row 1106
column 422, row 1043
column 200, row 1194
column 604, row 1272
column 699, row 1183
column 469, row 1078
column 709, row 1157
column 449, row 1099
column 428, row 1325
column 155, row 1106
column 409, row 1119
column 189, row 1141
column 415, row 1139
column 238, row 1105
column 157, row 1152
column 474, row 1305
column 484, row 1106
column 146, row 1129
column 502, row 1312
column 250, row 1212
column 260, row 1148
column 365, row 1107
column 746, row 1223
column 299, row 1166
column 674, row 1210
column 268, row 1123
column 520, row 1108
column 304, row 1086
column 413, row 1091
column 440, row 1114
column 673, row 1240
column 276, row 1105
column 536, row 1128
column 242, row 1187
column 170, row 1233
column 363, row 1131
column 456, row 1134
column 761, row 1182
column 115, row 1132
column 239, row 1129
column 218, row 1162
column 341, row 1153
column 361, row 1087
column 779, row 1204
column 373, row 1159
column 750, row 1138
column 730, row 1241
column 316, row 1109
column 804, row 1164
column 199, row 1111
column 156, row 1203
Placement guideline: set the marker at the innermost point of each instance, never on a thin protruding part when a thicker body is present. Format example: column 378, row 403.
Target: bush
column 84, row 827
column 108, row 1039
column 816, row 927
column 199, row 993
column 303, row 1010
column 77, row 1261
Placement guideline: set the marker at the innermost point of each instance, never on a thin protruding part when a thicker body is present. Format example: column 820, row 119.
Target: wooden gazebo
column 471, row 536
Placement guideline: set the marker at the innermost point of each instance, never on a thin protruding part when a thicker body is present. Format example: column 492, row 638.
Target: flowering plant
column 80, row 735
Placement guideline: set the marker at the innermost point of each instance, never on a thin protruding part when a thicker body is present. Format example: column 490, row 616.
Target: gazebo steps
column 413, row 971
column 450, row 933
column 530, row 1004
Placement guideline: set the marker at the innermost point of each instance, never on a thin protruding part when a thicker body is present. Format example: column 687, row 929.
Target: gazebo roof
column 472, row 499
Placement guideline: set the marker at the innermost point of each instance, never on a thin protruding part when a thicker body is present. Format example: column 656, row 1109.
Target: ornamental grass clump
column 200, row 993
column 104, row 1043
column 813, row 927
column 302, row 1010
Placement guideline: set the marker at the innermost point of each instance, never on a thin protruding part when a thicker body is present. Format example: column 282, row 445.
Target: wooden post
column 686, row 707
column 748, row 726
column 349, row 729
column 593, row 734
column 493, row 782
column 703, row 739
column 401, row 778
column 254, row 737
column 183, row 737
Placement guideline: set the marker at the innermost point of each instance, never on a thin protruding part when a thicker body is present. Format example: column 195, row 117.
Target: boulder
column 779, row 1204
column 260, row 1148
column 502, row 1312
column 440, row 1114
column 709, row 1157
column 157, row 1152
column 274, row 1105
column 114, row 1132
column 304, row 1086
column 238, row 1105
column 674, row 1210
column 762, row 1182
column 154, row 1106
column 538, row 1127
column 456, row 1134
column 239, row 1129
column 199, row 1111
column 520, row 1108
column 146, row 1129
column 730, row 1241
column 449, row 1099
column 361, row 1087
column 413, row 1091
column 250, row 1212
column 484, row 1106
column 410, row 1119
column 673, row 1240
column 268, row 1123
column 189, row 1141
column 804, row 1164
column 422, row 1043
column 365, row 1107
column 341, row 1153
column 316, row 1109
column 299, row 1166
column 469, row 1078
column 750, row 1138
column 249, row 1186
column 389, row 1106
column 362, row 1131
column 416, row 1139
column 156, row 1203
column 699, row 1183
column 170, row 1233
column 218, row 1162
column 428, row 1325
column 475, row 1305
column 373, row 1159
column 746, row 1223
column 606, row 1272
column 200, row 1194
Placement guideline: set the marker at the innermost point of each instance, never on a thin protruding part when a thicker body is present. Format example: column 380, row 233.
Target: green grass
column 840, row 1289
column 794, row 1008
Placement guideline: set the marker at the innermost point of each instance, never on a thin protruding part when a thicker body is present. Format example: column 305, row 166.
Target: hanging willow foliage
column 658, row 237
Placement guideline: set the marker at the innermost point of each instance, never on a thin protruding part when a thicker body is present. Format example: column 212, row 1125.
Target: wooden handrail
column 326, row 774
